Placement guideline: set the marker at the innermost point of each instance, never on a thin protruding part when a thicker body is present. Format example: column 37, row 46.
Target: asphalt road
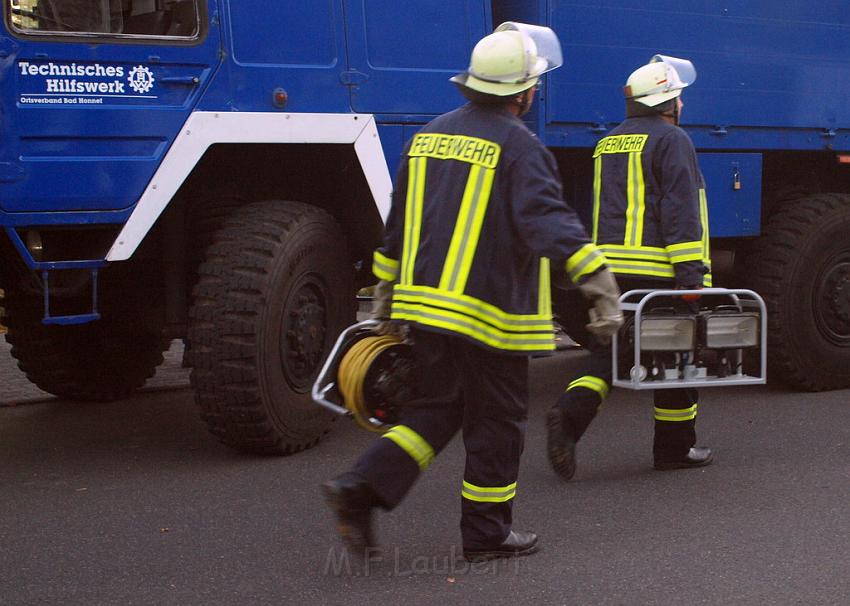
column 133, row 503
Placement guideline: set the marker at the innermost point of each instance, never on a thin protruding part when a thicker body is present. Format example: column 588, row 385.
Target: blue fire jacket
column 477, row 213
column 650, row 217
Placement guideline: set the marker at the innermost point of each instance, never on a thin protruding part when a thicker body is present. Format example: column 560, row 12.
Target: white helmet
column 660, row 80
column 511, row 59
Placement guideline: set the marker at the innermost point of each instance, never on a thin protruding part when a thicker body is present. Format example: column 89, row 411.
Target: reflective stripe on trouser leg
column 496, row 412
column 591, row 383
column 393, row 462
column 413, row 444
column 676, row 415
column 675, row 422
column 584, row 395
column 488, row 494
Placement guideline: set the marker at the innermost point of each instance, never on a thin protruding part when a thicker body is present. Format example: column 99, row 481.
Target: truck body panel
column 773, row 75
column 218, row 170
column 79, row 126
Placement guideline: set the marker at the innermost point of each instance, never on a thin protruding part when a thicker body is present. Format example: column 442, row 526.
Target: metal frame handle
column 635, row 382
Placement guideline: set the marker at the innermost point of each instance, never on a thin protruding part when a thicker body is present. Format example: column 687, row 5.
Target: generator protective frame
column 740, row 297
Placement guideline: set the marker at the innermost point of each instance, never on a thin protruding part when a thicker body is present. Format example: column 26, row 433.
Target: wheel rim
column 832, row 300
column 302, row 342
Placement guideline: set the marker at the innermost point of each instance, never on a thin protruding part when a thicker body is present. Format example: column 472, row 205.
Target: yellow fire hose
column 352, row 374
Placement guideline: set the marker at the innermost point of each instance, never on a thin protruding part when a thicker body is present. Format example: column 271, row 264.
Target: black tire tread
column 102, row 361
column 767, row 266
column 228, row 300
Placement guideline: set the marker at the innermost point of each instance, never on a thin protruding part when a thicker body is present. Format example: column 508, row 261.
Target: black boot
column 352, row 500
column 695, row 457
column 517, row 544
column 560, row 443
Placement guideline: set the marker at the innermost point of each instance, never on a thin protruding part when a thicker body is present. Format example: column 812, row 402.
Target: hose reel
column 366, row 376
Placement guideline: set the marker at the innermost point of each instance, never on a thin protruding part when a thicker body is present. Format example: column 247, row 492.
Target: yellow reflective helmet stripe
column 467, row 230
column 412, row 443
column 596, row 384
column 413, row 217
column 384, row 268
column 488, row 494
column 584, row 262
column 676, row 414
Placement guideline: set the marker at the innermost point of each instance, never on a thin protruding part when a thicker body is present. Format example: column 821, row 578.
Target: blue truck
column 218, row 171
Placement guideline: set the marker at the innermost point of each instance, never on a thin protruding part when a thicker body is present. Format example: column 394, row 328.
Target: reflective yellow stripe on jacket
column 446, row 305
column 544, row 289
column 467, row 229
column 636, row 192
column 474, row 318
column 686, row 251
column 706, row 246
column 584, row 262
column 632, row 257
column 641, row 261
column 413, row 216
column 384, row 268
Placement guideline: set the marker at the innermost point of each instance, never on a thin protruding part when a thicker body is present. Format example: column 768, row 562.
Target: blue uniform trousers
column 458, row 385
column 675, row 409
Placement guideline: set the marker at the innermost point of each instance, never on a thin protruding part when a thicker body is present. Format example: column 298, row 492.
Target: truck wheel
column 801, row 266
column 274, row 291
column 100, row 361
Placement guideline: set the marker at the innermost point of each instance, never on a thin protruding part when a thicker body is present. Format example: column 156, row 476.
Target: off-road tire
column 99, row 361
column 274, row 291
column 801, row 266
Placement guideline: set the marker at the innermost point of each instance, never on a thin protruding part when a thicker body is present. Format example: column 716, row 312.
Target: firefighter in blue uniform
column 651, row 223
column 477, row 218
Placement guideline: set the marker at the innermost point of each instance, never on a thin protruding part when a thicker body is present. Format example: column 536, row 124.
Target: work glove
column 690, row 302
column 382, row 303
column 690, row 298
column 605, row 315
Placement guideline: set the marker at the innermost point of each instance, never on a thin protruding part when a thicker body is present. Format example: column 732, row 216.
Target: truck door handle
column 181, row 80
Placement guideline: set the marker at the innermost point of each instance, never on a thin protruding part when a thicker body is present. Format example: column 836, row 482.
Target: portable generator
column 709, row 337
